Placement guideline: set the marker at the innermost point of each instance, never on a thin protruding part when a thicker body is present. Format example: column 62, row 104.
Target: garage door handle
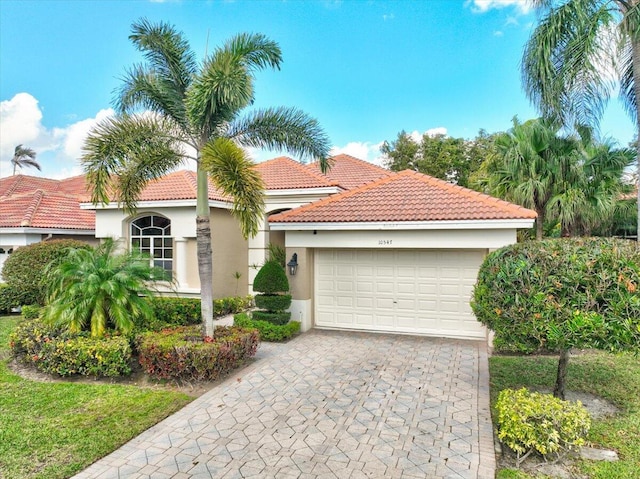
column 395, row 302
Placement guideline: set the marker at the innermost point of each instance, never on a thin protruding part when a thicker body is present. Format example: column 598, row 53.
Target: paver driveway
column 329, row 404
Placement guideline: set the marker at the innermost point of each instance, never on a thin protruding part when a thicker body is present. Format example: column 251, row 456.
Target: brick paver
column 329, row 405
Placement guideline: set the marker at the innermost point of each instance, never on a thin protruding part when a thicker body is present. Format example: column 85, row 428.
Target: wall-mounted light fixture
column 293, row 264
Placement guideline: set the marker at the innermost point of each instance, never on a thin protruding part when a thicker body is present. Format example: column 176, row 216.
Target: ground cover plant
column 612, row 377
column 52, row 430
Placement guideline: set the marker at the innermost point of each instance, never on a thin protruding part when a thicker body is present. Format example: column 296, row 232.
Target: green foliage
column 273, row 302
column 560, row 294
column 278, row 254
column 182, row 352
column 450, row 159
column 271, row 279
column 7, row 301
column 31, row 312
column 268, row 331
column 273, row 317
column 170, row 312
column 24, row 269
column 100, row 288
column 529, row 421
column 54, row 351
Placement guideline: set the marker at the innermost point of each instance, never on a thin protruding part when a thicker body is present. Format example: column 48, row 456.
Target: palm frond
column 254, row 50
column 121, row 155
column 627, row 90
column 286, row 129
column 562, row 66
column 234, row 174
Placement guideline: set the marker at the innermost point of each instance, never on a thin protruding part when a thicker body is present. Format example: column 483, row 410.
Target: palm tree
column 99, row 288
column 22, row 157
column 193, row 112
column 574, row 55
column 525, row 166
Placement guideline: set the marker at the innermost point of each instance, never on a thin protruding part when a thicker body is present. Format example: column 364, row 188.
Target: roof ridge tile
column 32, row 208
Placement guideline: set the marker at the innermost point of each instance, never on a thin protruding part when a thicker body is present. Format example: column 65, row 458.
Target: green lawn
column 54, row 430
column 610, row 376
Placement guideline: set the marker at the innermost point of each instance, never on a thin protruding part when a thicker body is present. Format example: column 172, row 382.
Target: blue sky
column 364, row 69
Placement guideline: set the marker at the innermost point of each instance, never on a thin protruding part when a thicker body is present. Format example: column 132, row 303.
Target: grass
column 54, row 430
column 614, row 377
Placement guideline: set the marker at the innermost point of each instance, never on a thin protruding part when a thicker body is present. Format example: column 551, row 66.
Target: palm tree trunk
column 539, row 224
column 635, row 52
column 205, row 255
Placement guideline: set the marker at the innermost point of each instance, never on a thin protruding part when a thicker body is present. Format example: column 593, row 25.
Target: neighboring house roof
column 404, row 196
column 33, row 202
column 350, row 172
column 283, row 173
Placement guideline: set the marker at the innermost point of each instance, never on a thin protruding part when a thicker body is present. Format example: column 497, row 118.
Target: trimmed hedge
column 182, row 353
column 529, row 421
column 277, row 318
column 273, row 302
column 7, row 301
column 171, row 312
column 268, row 331
column 24, row 268
column 271, row 279
column 561, row 293
column 54, row 351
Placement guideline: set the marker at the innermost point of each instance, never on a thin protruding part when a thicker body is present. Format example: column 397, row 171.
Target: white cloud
column 388, row 16
column 417, row 136
column 366, row 151
column 57, row 149
column 498, row 33
column 482, row 6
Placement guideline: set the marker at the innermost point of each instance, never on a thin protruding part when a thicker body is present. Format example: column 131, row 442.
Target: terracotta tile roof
column 29, row 201
column 350, row 172
column 405, row 196
column 283, row 173
column 179, row 185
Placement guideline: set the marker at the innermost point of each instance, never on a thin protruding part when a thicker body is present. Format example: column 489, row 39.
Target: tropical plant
column 24, row 156
column 576, row 54
column 559, row 294
column 194, row 114
column 100, row 288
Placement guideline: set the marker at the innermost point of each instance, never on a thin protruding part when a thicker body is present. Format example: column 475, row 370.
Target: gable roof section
column 179, row 185
column 350, row 172
column 34, row 202
column 283, row 173
column 406, row 196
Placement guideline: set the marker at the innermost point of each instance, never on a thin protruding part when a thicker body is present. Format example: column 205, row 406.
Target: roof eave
column 518, row 223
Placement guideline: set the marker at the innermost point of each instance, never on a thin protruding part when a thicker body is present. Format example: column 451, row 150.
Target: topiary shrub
column 560, row 294
column 55, row 351
column 268, row 331
column 272, row 281
column 529, row 421
column 273, row 317
column 183, row 353
column 24, row 268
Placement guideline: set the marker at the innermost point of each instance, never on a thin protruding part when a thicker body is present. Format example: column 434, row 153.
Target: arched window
column 152, row 235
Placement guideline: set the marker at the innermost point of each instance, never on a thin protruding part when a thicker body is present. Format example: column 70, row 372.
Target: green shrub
column 31, row 312
column 170, row 312
column 530, row 422
column 562, row 293
column 24, row 268
column 52, row 350
column 273, row 317
column 8, row 298
column 267, row 330
column 182, row 352
column 273, row 302
column 271, row 279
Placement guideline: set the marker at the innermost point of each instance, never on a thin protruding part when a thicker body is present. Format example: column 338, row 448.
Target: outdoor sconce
column 293, row 264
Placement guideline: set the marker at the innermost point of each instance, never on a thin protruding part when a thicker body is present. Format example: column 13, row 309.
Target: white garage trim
column 401, row 291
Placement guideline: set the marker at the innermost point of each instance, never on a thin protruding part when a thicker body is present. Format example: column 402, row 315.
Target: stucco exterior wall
column 230, row 255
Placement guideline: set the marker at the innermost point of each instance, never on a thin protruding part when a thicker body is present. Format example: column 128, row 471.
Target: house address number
column 384, row 242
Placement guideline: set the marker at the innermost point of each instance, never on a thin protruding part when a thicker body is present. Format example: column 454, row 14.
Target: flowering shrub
column 183, row 353
column 54, row 351
column 268, row 331
column 529, row 421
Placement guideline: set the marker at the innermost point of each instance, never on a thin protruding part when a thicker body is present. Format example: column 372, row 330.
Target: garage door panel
column 419, row 291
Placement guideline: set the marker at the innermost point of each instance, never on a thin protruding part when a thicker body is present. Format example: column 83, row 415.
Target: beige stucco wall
column 230, row 255
column 301, row 285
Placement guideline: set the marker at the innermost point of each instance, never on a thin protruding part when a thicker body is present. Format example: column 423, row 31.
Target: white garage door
column 405, row 291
